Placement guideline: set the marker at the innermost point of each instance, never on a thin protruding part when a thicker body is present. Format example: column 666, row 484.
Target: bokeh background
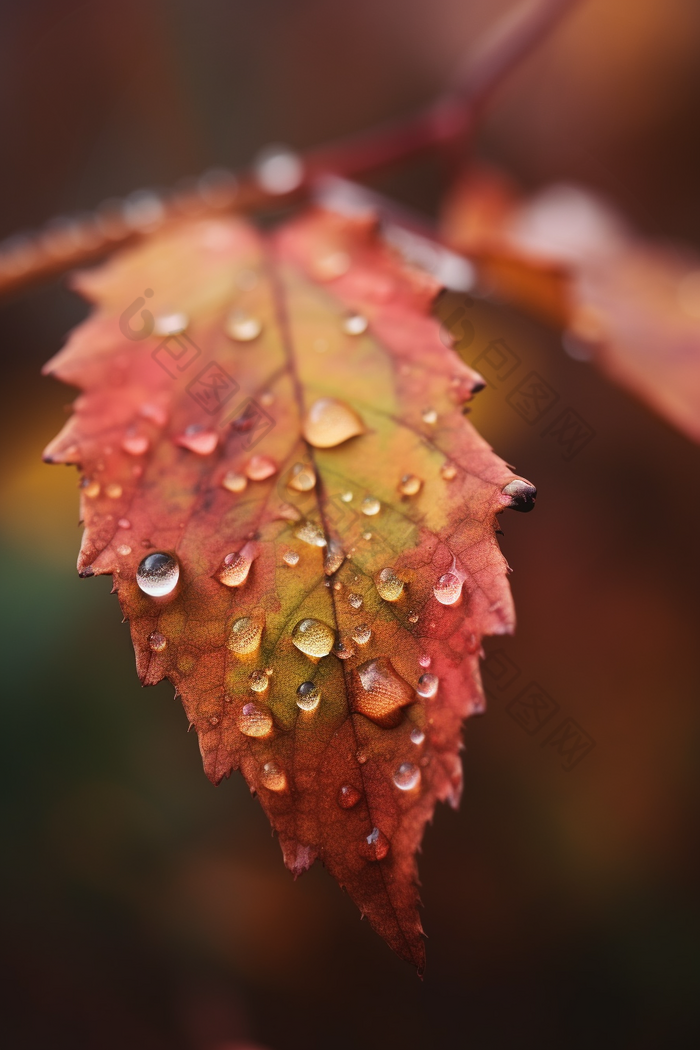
column 141, row 906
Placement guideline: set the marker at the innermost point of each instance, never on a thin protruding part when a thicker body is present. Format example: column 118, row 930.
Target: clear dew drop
column 417, row 736
column 258, row 681
column 302, row 478
column 243, row 327
column 272, row 777
column 374, row 846
column 254, row 721
column 171, row 324
column 407, row 776
column 424, row 660
column 135, row 444
column 330, row 422
column 354, row 324
column 245, row 636
column 355, row 600
column 234, row 482
column 235, row 567
column 429, row 416
column 370, row 506
column 158, row 574
column 448, row 471
column 361, row 634
column 290, row 558
column 448, row 589
column 382, row 693
column 308, row 696
column 199, row 440
column 157, row 642
column 313, row 637
column 410, row 485
column 311, row 534
column 348, row 796
column 389, row 586
column 346, row 497
column 259, row 468
column 428, row 685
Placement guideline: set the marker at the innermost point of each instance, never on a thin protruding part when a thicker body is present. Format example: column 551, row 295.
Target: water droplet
column 124, row 523
column 342, row 650
column 361, row 634
column 254, row 721
column 335, row 556
column 448, row 589
column 243, row 327
column 198, row 439
column 92, row 489
column 235, row 567
column 171, row 324
column 155, row 413
column 290, row 557
column 348, row 796
column 355, row 600
column 382, row 693
column 367, row 536
column 424, row 660
column 158, row 574
column 245, row 636
column 417, row 736
column 313, row 637
column 259, row 468
column 388, row 585
column 272, row 777
column 375, row 846
column 371, row 506
column 361, row 756
column 413, row 616
column 279, row 169
column 288, row 512
column 428, row 685
column 302, row 478
column 429, row 416
column 124, row 549
column 234, row 482
column 448, row 471
column 410, row 485
column 258, row 681
column 407, row 776
column 330, row 266
column 157, row 642
column 522, row 495
column 135, row 444
column 330, row 422
column 267, row 398
column 354, row 324
column 346, row 497
column 310, row 533
column 308, row 696
column 114, row 491
column 214, row 720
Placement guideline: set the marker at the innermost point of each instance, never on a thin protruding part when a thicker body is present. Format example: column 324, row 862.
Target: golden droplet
column 448, row 471
column 92, row 490
column 313, row 637
column 234, row 482
column 389, row 586
column 235, row 567
column 371, row 506
column 379, row 692
column 272, row 777
column 410, row 485
column 330, row 422
column 311, row 534
column 114, row 491
column 258, row 681
column 302, row 478
column 243, row 327
column 245, row 636
column 254, row 721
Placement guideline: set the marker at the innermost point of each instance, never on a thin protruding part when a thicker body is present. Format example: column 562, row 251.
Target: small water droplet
column 259, row 468
column 311, row 534
column 267, row 398
column 236, row 566
column 254, row 721
column 448, row 471
column 158, row 574
column 348, row 796
column 410, row 485
column 346, row 497
column 157, row 642
column 288, row 512
column 331, row 266
column 279, row 169
column 135, row 444
column 198, row 439
column 243, row 327
column 124, row 549
column 342, row 650
column 313, row 637
column 361, row 634
column 234, row 482
column 424, row 660
column 354, row 324
column 92, row 489
column 388, row 585
column 382, row 693
column 375, row 846
column 114, row 491
column 272, row 777
column 335, row 556
column 367, row 536
column 308, row 696
column 522, row 495
column 412, row 617
column 448, row 589
column 407, row 776
column 290, row 557
column 258, row 681
column 155, row 413
column 361, row 756
column 302, row 478
column 355, row 600
column 124, row 523
column 245, row 636
column 428, row 685
column 337, row 586
column 330, row 422
column 429, row 416
column 417, row 736
column 171, row 324
column 371, row 506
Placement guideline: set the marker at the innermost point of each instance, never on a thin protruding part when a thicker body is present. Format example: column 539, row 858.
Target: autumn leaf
column 564, row 255
column 299, row 520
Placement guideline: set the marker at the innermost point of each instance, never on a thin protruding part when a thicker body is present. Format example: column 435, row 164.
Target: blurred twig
column 66, row 243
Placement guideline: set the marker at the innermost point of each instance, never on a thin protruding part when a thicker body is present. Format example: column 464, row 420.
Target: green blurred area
column 143, row 907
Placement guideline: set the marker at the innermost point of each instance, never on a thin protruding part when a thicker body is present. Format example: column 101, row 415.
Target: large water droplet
column 258, row 681
column 157, row 642
column 389, row 586
column 371, row 506
column 407, row 776
column 158, row 574
column 428, row 685
column 329, row 422
column 308, row 696
column 310, row 533
column 354, row 324
column 254, row 721
column 348, row 796
column 272, row 777
column 410, row 485
column 199, row 440
column 259, row 468
column 381, row 692
column 522, row 494
column 375, row 846
column 245, row 636
column 171, row 324
column 243, row 327
column 361, row 634
column 313, row 637
column 302, row 478
column 235, row 567
column 448, row 589
column 234, row 482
